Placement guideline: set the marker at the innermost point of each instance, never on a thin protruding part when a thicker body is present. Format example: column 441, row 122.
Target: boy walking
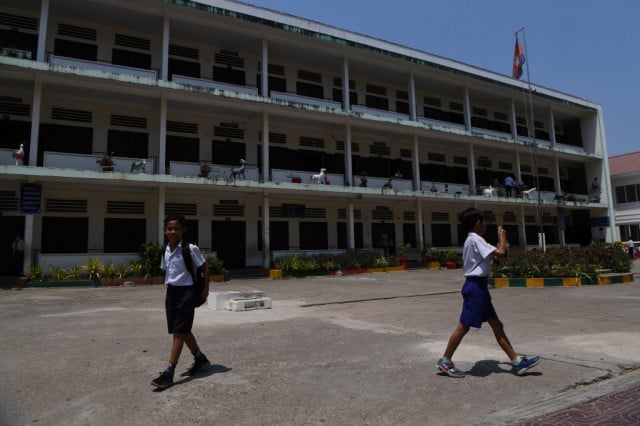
column 477, row 256
column 180, row 300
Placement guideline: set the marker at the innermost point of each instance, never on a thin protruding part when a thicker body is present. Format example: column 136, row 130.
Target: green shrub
column 149, row 258
column 581, row 262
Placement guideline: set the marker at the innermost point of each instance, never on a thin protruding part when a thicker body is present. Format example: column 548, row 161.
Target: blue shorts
column 477, row 307
column 180, row 309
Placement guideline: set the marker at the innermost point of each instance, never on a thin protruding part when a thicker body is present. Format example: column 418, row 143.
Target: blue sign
column 30, row 194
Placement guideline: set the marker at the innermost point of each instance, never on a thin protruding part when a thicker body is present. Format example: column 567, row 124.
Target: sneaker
column 448, row 368
column 199, row 364
column 526, row 364
column 164, row 380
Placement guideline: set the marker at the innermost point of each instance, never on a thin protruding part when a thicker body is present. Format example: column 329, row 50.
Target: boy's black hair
column 177, row 217
column 469, row 217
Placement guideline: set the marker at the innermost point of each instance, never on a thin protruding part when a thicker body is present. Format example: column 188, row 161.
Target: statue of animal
column 527, row 193
column 238, row 171
column 19, row 155
column 319, row 178
column 488, row 191
column 138, row 166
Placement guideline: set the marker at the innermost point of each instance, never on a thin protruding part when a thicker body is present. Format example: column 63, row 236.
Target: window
column 231, row 76
column 128, row 144
column 180, row 148
column 65, row 234
column 228, row 153
column 377, row 102
column 441, row 234
column 186, row 68
column 60, row 138
column 310, row 90
column 75, row 49
column 620, row 195
column 630, row 191
column 278, row 234
column 409, row 233
column 313, row 236
column 357, row 234
column 128, row 58
column 124, row 235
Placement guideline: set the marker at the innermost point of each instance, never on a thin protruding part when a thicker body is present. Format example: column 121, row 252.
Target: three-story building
column 342, row 137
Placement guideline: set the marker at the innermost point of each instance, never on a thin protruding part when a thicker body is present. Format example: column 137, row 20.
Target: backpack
column 198, row 275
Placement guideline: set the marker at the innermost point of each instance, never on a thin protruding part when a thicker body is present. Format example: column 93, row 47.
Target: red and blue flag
column 518, row 60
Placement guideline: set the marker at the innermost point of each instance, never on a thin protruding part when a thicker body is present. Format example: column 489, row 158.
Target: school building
column 625, row 181
column 400, row 140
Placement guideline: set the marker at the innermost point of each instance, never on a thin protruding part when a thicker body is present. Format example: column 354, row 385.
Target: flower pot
column 216, row 278
column 296, row 180
column 433, row 264
column 403, row 261
column 450, row 265
column 107, row 168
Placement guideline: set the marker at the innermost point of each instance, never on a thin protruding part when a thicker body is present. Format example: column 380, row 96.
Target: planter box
column 398, row 268
column 216, row 278
column 432, row 265
column 377, row 270
column 148, row 280
column 67, row 283
column 275, row 274
column 112, row 282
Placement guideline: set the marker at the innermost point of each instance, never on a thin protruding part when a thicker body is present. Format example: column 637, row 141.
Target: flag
column 518, row 60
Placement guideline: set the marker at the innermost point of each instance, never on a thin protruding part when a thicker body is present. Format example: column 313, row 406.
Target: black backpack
column 198, row 275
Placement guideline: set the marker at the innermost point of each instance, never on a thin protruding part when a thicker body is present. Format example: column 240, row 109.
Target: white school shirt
column 475, row 255
column 176, row 271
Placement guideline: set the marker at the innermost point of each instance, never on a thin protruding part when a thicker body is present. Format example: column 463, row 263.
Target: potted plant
column 431, row 258
column 106, row 162
column 402, row 254
column 205, row 169
column 450, row 258
column 216, row 268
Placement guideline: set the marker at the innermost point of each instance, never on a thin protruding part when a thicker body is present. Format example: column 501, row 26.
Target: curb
column 562, row 401
column 607, row 279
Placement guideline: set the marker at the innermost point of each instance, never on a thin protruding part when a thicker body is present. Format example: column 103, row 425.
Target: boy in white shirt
column 477, row 256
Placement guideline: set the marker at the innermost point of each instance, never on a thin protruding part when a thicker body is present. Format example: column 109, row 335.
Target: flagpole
column 541, row 237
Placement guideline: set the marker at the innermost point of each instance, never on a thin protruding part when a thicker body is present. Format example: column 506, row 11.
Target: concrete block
column 218, row 300
column 249, row 304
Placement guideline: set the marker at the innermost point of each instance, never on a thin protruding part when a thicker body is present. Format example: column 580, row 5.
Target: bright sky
column 587, row 48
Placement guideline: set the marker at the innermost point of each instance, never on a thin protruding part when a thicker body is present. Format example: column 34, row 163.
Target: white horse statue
column 319, row 178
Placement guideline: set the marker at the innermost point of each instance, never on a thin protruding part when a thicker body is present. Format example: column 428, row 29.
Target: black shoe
column 164, row 380
column 199, row 364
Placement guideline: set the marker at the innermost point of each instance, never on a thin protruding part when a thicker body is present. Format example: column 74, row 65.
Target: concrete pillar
column 35, row 123
column 351, row 232
column 552, row 131
column 346, row 101
column 164, row 69
column 412, row 97
column 162, row 196
column 162, row 146
column 266, row 174
column 266, row 238
column 265, row 69
column 472, row 171
column 419, row 224
column 42, row 33
column 416, row 164
column 512, row 120
column 467, row 110
column 348, row 164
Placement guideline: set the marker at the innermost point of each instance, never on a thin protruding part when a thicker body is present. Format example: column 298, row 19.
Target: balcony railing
column 15, row 53
column 218, row 171
column 297, row 176
column 102, row 66
column 65, row 160
column 211, row 84
column 380, row 112
column 292, row 97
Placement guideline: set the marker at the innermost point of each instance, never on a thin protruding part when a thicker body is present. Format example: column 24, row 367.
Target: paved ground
column 357, row 350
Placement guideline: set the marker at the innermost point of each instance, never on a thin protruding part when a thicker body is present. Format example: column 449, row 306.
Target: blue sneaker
column 448, row 368
column 526, row 364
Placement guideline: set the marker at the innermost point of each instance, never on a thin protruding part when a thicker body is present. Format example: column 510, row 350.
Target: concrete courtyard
column 351, row 350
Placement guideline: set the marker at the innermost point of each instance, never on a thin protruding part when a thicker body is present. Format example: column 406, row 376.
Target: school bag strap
column 188, row 261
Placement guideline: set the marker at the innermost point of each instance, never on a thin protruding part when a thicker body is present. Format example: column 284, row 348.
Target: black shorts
column 180, row 309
